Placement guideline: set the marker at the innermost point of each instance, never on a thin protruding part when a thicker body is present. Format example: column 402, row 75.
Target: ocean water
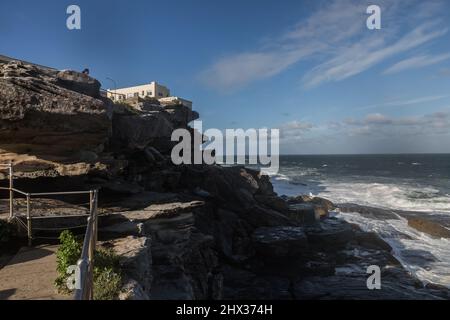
column 417, row 183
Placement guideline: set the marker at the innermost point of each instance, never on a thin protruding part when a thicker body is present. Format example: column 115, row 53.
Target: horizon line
column 364, row 154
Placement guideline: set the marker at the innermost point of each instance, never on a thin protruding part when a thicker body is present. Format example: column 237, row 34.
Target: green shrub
column 105, row 258
column 107, row 273
column 67, row 255
column 107, row 284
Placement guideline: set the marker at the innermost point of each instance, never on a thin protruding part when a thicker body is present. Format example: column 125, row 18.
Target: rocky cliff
column 183, row 232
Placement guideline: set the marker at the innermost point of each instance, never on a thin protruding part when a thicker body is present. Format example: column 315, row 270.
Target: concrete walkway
column 30, row 275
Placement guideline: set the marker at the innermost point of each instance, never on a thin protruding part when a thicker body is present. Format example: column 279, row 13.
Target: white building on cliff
column 151, row 90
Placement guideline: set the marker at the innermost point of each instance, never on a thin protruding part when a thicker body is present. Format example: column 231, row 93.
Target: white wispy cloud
column 335, row 42
column 378, row 124
column 406, row 102
column 294, row 130
column 417, row 62
column 364, row 55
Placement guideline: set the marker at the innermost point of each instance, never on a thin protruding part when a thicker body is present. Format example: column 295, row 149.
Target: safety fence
column 86, row 261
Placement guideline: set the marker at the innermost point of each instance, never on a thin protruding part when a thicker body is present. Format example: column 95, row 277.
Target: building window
column 143, row 93
column 149, row 93
column 136, row 94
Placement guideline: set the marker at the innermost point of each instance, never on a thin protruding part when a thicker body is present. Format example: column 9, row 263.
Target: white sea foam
column 425, row 257
column 391, row 196
column 428, row 259
column 401, row 196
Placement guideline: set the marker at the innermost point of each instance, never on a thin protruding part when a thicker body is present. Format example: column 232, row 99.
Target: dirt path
column 30, row 274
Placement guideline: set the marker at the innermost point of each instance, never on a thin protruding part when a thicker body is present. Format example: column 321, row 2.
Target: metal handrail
column 20, row 192
column 29, row 196
column 86, row 262
column 59, row 193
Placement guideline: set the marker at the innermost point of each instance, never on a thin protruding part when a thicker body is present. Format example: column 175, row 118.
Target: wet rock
column 321, row 206
column 241, row 284
column 371, row 240
column 369, row 212
column 280, row 242
column 323, row 203
column 329, row 234
column 299, row 199
column 435, row 229
column 355, row 288
column 273, row 202
column 304, row 213
column 264, row 217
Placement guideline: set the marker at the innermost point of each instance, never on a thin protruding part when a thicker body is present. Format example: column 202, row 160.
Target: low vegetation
column 107, row 273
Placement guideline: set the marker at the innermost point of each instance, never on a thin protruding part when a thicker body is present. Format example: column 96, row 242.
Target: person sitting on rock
column 86, row 71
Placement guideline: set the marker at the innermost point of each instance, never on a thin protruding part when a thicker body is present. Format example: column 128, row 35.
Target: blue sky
column 310, row 68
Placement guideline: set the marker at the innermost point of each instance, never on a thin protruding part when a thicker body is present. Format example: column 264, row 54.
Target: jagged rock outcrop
column 55, row 123
column 281, row 242
column 46, row 126
column 142, row 123
column 135, row 258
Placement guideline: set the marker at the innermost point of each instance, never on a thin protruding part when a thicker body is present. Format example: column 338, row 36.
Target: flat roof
column 141, row 85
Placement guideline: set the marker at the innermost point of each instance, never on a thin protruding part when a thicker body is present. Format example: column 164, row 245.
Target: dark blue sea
column 417, row 183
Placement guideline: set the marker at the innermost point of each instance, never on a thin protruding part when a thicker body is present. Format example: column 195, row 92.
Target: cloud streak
column 406, row 102
column 334, row 41
column 417, row 62
column 381, row 125
column 364, row 55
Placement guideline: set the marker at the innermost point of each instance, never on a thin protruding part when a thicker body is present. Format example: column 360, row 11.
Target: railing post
column 96, row 218
column 91, row 197
column 90, row 277
column 30, row 232
column 86, row 263
column 11, row 192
